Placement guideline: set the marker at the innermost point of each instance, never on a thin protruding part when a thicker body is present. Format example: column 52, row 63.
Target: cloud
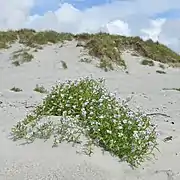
column 13, row 13
column 130, row 17
column 116, row 27
column 154, row 31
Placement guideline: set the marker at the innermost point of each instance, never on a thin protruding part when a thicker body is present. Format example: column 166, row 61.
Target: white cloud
column 13, row 13
column 130, row 18
column 117, row 27
column 155, row 30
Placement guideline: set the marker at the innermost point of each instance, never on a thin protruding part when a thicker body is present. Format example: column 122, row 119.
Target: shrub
column 147, row 62
column 15, row 89
column 162, row 66
column 105, row 48
column 64, row 65
column 85, row 107
column 40, row 89
column 21, row 56
column 175, row 89
column 160, row 72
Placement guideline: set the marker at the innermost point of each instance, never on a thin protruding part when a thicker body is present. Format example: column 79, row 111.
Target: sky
column 158, row 20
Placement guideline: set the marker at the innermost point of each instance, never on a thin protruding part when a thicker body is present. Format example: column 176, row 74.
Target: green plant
column 147, row 62
column 7, row 38
column 98, row 45
column 40, row 89
column 175, row 89
column 106, row 65
column 16, row 63
column 160, row 72
column 86, row 60
column 64, row 65
column 85, row 107
column 106, row 50
column 161, row 66
column 15, row 89
column 21, row 56
column 134, row 54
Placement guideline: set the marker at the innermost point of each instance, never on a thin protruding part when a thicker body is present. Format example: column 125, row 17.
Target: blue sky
column 43, row 6
column 47, row 5
column 171, row 14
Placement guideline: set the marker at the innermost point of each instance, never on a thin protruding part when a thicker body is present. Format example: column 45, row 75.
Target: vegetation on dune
column 31, row 38
column 108, row 48
column 64, row 64
column 175, row 89
column 85, row 107
column 148, row 49
column 7, row 38
column 15, row 89
column 21, row 56
column 40, row 89
column 147, row 62
column 160, row 72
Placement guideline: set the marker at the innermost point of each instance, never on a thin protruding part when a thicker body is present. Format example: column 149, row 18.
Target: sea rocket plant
column 85, row 107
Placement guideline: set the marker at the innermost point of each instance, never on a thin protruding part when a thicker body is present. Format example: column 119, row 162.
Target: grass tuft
column 15, row 89
column 21, row 56
column 64, row 64
column 147, row 62
column 174, row 89
column 84, row 107
column 160, row 72
column 40, row 89
column 162, row 66
column 86, row 60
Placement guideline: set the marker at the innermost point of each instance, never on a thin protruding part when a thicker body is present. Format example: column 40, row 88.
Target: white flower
column 135, row 135
column 77, row 116
column 109, row 132
column 101, row 100
column 86, row 103
column 64, row 113
column 120, row 134
column 91, row 113
column 101, row 117
column 120, row 127
column 68, row 105
column 124, row 121
column 62, row 95
column 83, row 111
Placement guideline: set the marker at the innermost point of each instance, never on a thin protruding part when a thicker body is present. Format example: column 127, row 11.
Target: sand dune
column 40, row 161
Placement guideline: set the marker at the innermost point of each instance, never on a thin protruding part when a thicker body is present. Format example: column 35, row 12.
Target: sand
column 40, row 161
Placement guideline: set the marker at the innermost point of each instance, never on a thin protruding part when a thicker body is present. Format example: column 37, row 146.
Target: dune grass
column 40, row 89
column 84, row 107
column 108, row 48
column 174, row 89
column 15, row 89
column 105, row 48
column 162, row 66
column 64, row 64
column 21, row 56
column 147, row 62
column 160, row 72
column 149, row 49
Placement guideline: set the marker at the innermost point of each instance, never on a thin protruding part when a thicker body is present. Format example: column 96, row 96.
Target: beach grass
column 108, row 48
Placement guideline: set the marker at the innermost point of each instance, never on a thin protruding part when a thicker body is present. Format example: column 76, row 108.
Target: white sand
column 39, row 161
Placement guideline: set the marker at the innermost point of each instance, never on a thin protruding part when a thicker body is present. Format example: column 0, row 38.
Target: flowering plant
column 85, row 107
